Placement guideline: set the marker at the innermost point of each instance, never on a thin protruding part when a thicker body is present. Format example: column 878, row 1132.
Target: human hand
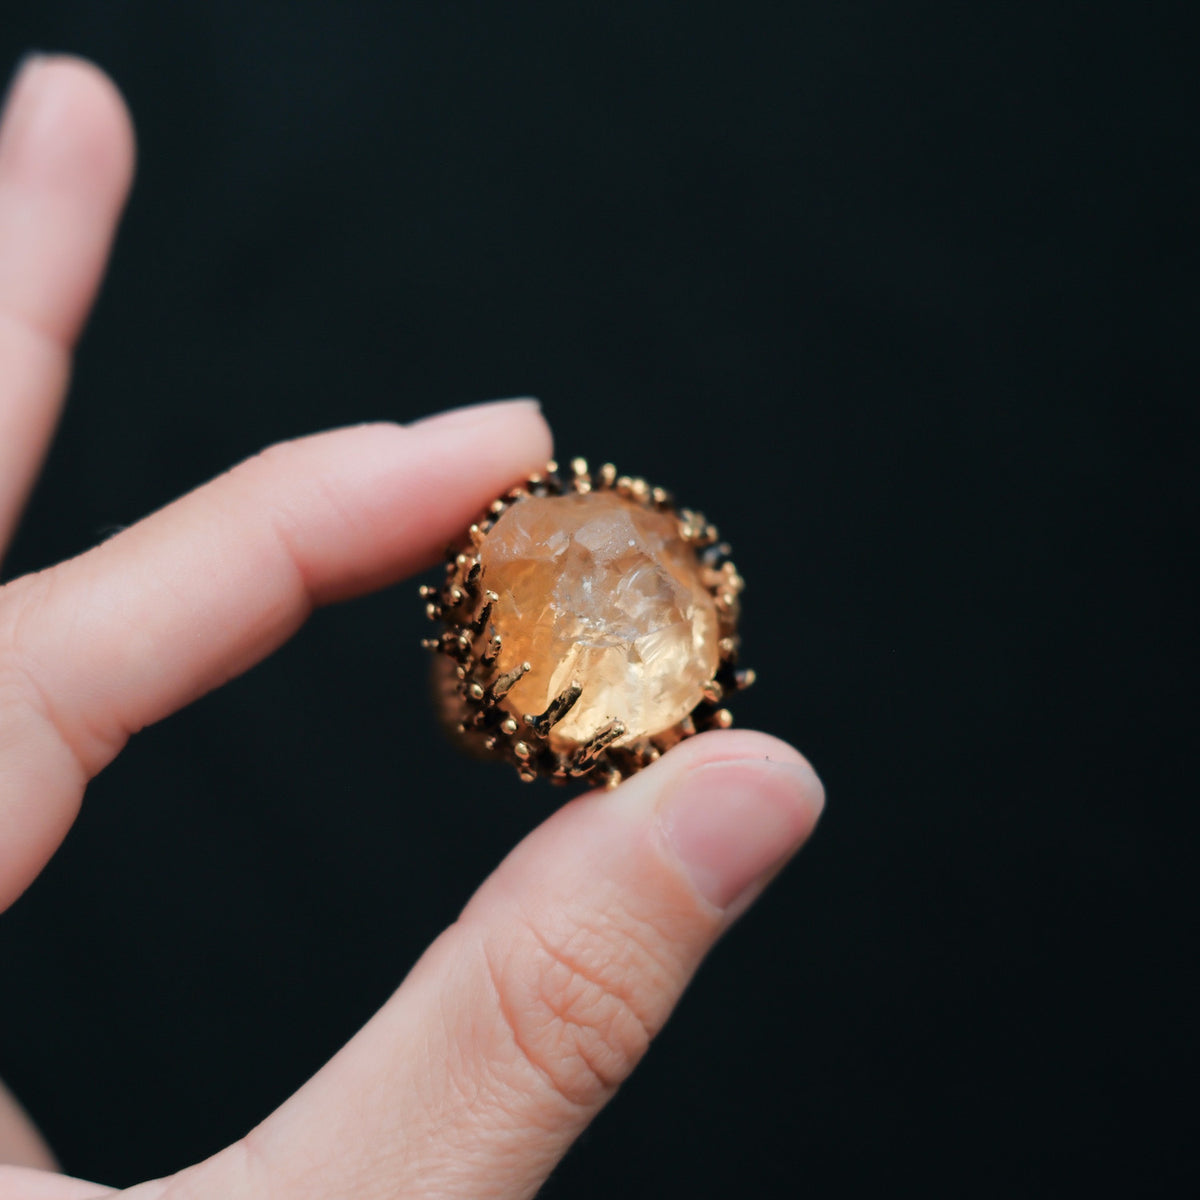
column 525, row 1016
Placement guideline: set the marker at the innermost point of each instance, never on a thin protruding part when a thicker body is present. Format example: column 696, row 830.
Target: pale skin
column 521, row 1021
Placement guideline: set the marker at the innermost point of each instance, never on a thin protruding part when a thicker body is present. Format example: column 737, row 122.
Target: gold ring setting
column 588, row 625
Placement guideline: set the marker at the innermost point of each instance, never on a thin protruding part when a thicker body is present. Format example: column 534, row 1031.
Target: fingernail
column 14, row 97
column 471, row 414
column 732, row 823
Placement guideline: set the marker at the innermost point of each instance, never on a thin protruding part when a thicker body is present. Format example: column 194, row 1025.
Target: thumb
column 525, row 1016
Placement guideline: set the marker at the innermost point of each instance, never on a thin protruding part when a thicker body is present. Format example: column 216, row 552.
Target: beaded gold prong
column 557, row 709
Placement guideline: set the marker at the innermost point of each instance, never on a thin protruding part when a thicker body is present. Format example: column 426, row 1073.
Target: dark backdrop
column 903, row 297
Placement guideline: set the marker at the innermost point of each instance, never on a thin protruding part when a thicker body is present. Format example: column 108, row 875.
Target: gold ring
column 588, row 625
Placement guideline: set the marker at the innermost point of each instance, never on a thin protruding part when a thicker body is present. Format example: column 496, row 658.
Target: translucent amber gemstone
column 596, row 589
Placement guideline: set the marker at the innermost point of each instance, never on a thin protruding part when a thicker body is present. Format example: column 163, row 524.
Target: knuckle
column 578, row 1004
column 19, row 686
column 26, row 693
column 289, row 519
column 18, row 599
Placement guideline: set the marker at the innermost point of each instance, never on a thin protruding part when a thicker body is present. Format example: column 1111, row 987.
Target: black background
column 904, row 297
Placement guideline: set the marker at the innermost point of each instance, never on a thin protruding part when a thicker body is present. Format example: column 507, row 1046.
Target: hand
column 525, row 1016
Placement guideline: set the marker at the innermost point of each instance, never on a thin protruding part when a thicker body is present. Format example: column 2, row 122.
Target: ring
column 588, row 626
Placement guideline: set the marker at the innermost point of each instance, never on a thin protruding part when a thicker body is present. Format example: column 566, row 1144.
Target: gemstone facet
column 598, row 590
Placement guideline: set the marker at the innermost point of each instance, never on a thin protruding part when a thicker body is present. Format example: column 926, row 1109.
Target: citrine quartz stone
column 596, row 589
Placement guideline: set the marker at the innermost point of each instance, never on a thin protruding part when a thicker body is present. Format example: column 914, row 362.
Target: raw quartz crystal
column 596, row 589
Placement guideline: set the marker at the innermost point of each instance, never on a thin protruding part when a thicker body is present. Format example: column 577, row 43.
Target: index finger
column 100, row 646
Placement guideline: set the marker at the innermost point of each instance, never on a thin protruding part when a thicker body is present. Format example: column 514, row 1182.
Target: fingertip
column 366, row 505
column 64, row 116
column 731, row 807
column 66, row 164
column 733, row 745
